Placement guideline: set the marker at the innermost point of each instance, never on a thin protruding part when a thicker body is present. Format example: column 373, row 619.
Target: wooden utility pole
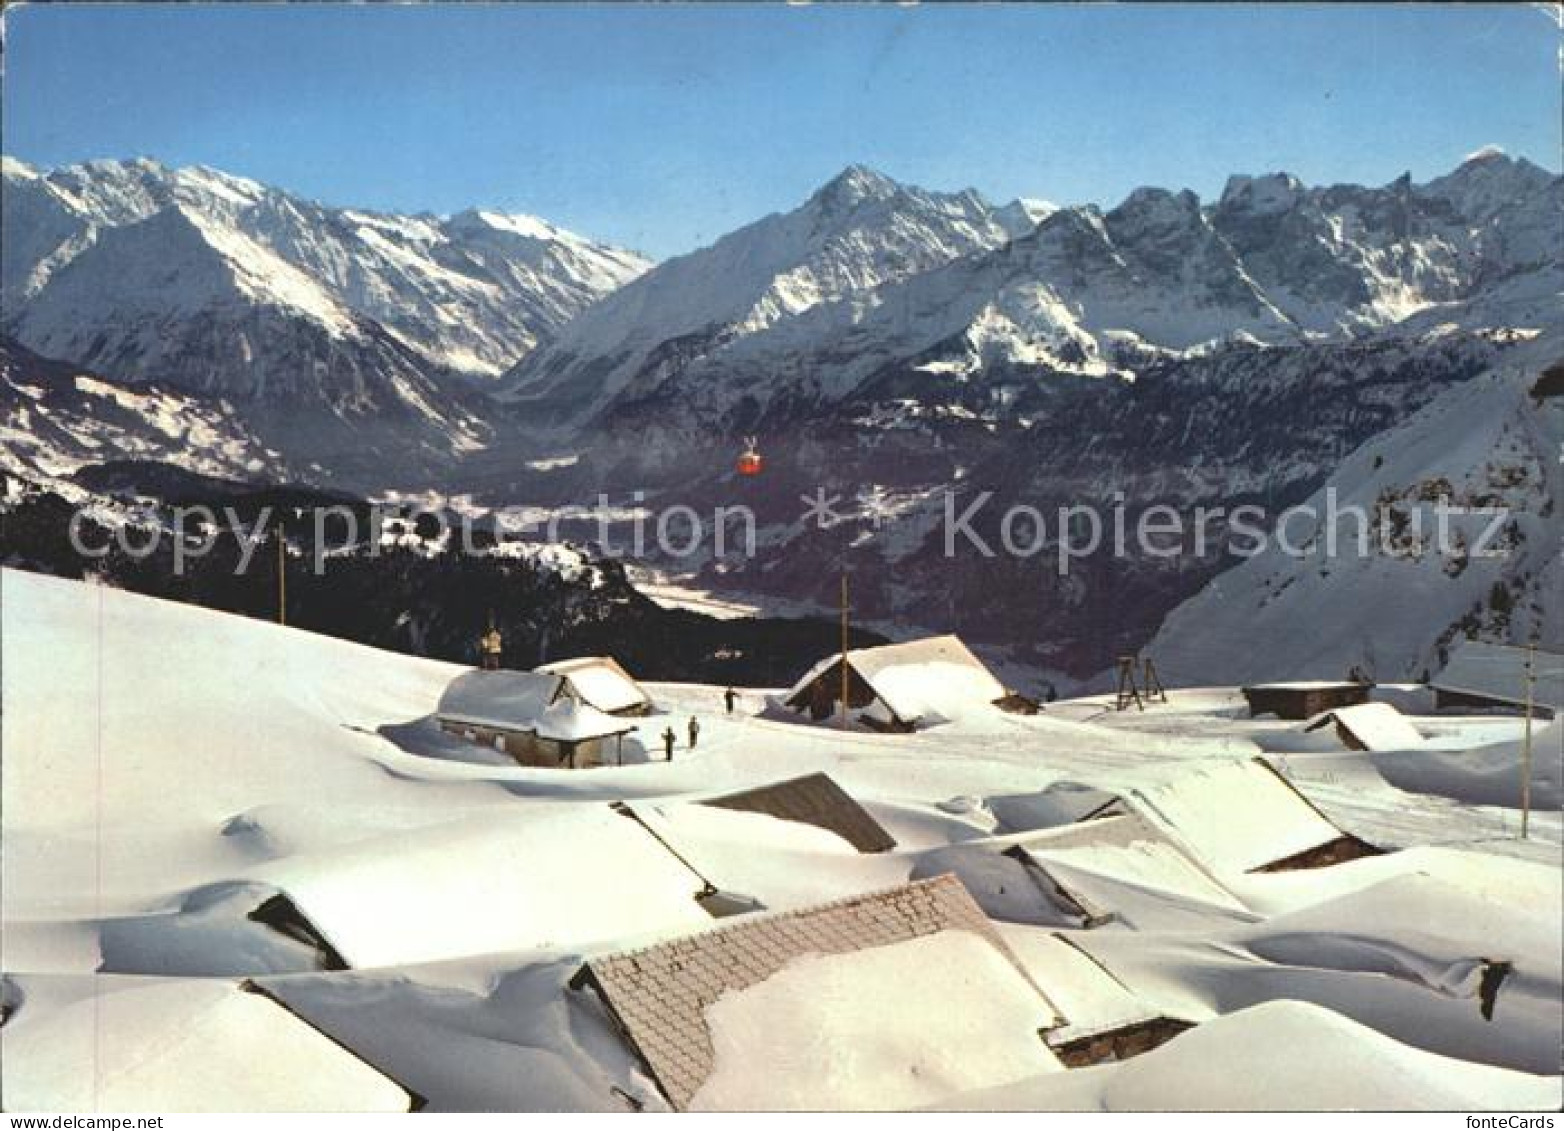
column 1531, row 680
column 282, row 577
column 844, row 650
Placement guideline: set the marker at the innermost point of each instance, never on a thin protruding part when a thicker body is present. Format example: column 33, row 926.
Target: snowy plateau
column 249, row 865
column 173, row 776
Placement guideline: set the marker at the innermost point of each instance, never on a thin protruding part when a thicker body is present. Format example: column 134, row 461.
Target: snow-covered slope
column 170, row 771
column 1488, row 445
column 56, row 418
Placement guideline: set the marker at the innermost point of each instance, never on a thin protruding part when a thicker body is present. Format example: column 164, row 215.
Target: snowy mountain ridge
column 469, row 292
column 773, row 311
column 859, row 231
column 221, row 284
column 346, row 336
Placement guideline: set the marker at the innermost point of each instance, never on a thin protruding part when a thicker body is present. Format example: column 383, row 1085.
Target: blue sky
column 663, row 127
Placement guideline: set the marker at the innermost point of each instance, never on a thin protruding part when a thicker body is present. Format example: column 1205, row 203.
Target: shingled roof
column 659, row 996
column 814, row 799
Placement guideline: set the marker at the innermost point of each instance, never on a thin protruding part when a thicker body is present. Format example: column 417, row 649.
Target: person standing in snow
column 668, row 740
column 695, row 731
column 490, row 646
column 730, row 697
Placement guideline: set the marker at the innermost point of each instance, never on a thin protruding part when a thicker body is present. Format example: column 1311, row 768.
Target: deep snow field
column 167, row 770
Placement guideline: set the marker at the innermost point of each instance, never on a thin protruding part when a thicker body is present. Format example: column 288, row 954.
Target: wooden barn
column 532, row 717
column 1303, row 699
column 1494, row 675
column 903, row 687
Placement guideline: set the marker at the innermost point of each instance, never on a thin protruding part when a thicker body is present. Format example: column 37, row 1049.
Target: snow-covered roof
column 1120, row 868
column 814, row 799
column 533, row 880
column 1498, row 671
column 974, row 1024
column 1296, row 1055
column 1374, row 726
column 142, row 1044
column 1236, row 815
column 565, row 720
column 600, row 682
column 508, row 700
column 675, row 1001
column 524, row 701
column 1008, row 885
column 782, row 864
column 1127, row 866
column 1092, row 1000
column 935, row 678
column 1061, row 803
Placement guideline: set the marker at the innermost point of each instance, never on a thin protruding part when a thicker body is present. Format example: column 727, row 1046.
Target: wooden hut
column 1303, row 699
column 1494, row 675
column 900, row 687
column 531, row 717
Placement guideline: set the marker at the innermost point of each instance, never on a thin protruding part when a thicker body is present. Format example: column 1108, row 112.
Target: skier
column 668, row 740
column 695, row 731
column 730, row 697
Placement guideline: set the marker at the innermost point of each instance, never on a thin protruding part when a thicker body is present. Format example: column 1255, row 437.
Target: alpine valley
column 183, row 334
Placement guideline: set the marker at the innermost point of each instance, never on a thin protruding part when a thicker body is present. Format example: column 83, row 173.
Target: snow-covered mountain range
column 859, row 232
column 217, row 283
column 803, row 305
column 885, row 341
column 345, row 329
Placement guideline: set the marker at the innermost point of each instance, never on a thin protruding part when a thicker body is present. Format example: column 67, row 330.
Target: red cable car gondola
column 750, row 462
